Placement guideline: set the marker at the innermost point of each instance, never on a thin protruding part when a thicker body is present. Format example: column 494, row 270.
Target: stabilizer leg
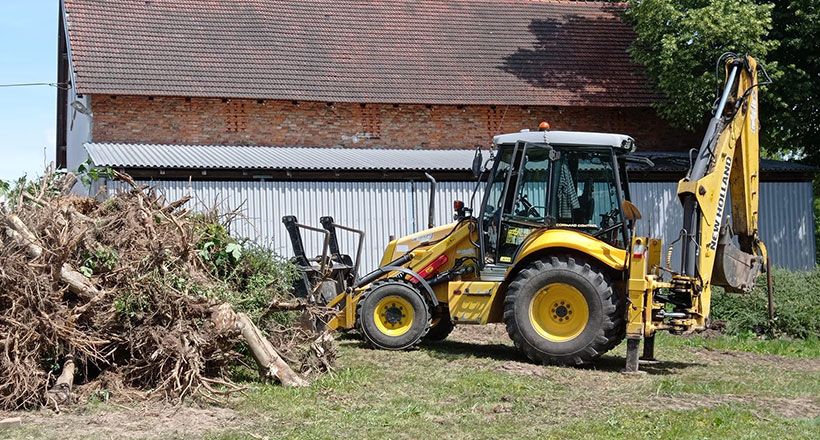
column 648, row 357
column 632, row 346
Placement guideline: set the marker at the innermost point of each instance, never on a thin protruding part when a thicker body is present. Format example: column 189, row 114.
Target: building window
column 236, row 118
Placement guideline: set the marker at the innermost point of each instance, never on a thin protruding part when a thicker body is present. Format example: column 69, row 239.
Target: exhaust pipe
column 431, row 210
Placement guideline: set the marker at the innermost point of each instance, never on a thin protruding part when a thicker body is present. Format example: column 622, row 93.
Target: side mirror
column 631, row 212
column 478, row 161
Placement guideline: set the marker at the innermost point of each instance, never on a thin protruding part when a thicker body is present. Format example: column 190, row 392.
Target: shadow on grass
column 615, row 364
column 450, row 350
column 453, row 350
column 459, row 350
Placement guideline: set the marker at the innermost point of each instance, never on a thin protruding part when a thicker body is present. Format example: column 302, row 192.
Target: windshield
column 586, row 196
column 534, row 186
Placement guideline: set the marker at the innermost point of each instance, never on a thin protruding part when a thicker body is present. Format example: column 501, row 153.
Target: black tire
column 441, row 326
column 603, row 330
column 383, row 290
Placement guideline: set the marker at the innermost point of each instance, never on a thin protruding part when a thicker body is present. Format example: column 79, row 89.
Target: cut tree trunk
column 266, row 356
column 60, row 393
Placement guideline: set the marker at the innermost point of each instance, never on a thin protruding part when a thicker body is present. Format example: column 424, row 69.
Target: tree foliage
column 678, row 42
column 792, row 114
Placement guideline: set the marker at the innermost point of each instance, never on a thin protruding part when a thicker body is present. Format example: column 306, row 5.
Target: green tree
column 678, row 42
column 792, row 114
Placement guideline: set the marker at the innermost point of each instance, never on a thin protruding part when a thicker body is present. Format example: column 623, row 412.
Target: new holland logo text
column 724, row 185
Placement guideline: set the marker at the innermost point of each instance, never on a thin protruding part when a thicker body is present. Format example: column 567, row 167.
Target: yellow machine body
column 470, row 300
column 642, row 294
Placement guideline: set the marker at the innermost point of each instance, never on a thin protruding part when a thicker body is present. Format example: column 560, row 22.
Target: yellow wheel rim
column 394, row 315
column 559, row 312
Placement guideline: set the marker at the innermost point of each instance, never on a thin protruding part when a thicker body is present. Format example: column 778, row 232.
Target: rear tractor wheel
column 563, row 311
column 393, row 315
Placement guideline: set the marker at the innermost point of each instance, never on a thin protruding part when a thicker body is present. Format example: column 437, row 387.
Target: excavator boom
column 725, row 170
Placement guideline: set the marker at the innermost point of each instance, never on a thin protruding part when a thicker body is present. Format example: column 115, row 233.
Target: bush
column 797, row 305
column 250, row 276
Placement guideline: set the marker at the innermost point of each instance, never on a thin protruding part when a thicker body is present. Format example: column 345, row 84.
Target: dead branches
column 115, row 291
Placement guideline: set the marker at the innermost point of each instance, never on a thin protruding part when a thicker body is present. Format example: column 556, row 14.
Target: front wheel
column 393, row 315
column 563, row 311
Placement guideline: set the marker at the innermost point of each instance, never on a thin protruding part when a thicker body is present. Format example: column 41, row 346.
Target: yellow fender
column 570, row 239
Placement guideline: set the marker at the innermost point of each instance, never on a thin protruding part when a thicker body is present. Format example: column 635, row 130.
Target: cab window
column 586, row 196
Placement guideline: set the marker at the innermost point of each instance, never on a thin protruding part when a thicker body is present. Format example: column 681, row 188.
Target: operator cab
column 554, row 179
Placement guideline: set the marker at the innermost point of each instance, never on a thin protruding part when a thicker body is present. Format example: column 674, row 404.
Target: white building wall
column 78, row 130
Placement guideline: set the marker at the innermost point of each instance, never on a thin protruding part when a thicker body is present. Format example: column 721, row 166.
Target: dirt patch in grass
column 481, row 334
column 160, row 421
column 747, row 358
column 524, row 369
column 790, row 408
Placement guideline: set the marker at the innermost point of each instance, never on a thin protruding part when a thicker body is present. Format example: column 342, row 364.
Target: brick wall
column 216, row 121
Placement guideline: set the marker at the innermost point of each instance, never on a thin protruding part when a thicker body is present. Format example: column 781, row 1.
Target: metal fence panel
column 786, row 219
column 382, row 209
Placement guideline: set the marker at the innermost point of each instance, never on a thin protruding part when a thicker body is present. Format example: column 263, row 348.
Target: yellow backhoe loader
column 552, row 252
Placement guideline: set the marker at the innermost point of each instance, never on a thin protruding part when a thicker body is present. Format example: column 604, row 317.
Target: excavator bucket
column 735, row 270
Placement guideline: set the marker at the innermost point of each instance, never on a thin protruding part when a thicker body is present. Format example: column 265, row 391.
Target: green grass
column 478, row 386
column 705, row 388
column 793, row 348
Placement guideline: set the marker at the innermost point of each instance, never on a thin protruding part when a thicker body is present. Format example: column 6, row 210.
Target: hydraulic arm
column 725, row 170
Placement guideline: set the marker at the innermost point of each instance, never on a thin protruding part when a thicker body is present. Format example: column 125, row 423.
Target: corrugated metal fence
column 382, row 209
column 786, row 219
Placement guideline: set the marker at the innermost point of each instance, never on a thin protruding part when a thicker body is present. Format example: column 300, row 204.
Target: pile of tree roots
column 110, row 296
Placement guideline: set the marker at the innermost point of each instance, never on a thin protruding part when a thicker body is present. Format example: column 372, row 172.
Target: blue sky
column 28, row 53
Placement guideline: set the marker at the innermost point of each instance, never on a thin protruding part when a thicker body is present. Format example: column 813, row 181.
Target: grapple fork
column 328, row 274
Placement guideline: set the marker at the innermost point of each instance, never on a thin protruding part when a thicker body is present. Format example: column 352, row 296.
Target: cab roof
column 620, row 142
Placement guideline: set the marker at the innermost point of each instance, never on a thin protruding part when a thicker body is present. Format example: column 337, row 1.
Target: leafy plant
column 796, row 302
column 216, row 247
column 251, row 276
column 99, row 260
column 88, row 173
column 131, row 304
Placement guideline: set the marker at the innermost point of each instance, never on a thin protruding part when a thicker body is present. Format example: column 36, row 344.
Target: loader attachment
column 312, row 270
column 327, row 275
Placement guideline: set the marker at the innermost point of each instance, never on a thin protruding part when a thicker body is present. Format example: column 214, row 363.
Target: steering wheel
column 529, row 210
column 609, row 217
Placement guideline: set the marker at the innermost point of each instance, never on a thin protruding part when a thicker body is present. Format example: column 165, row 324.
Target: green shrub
column 797, row 305
column 250, row 276
column 258, row 277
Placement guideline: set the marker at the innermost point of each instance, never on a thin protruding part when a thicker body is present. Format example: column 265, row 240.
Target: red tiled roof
column 428, row 51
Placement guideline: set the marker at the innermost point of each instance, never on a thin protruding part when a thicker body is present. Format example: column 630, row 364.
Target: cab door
column 516, row 201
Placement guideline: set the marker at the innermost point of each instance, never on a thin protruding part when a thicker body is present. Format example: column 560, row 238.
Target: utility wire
column 58, row 85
